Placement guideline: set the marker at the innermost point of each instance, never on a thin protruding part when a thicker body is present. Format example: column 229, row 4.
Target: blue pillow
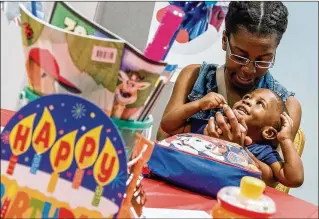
column 201, row 163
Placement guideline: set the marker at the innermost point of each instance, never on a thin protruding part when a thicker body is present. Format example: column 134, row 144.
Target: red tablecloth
column 163, row 195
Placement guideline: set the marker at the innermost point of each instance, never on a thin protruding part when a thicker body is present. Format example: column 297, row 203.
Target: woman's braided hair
column 257, row 17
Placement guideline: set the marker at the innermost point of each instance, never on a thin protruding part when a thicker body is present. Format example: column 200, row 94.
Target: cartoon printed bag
column 201, row 163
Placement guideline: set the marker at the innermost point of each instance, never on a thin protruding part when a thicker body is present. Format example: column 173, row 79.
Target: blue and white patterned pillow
column 201, row 163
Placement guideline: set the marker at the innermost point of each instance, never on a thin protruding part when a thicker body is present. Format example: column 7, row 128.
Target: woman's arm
column 183, row 86
column 174, row 121
column 294, row 109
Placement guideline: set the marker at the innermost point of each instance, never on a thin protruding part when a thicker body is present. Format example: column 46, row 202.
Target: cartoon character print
column 43, row 73
column 126, row 91
column 239, row 156
column 218, row 151
column 93, row 91
column 198, row 146
column 28, row 31
column 213, row 148
column 179, row 144
column 164, row 143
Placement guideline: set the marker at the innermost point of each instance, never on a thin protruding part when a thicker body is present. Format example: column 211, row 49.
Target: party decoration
column 169, row 24
column 5, row 206
column 43, row 138
column 63, row 57
column 86, row 151
column 75, row 160
column 198, row 17
column 105, row 169
column 20, row 139
column 198, row 38
column 61, row 157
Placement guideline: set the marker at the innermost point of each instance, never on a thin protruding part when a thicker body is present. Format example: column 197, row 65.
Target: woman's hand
column 234, row 131
column 211, row 100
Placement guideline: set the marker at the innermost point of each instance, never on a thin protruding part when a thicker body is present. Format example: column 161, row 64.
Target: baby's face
column 259, row 108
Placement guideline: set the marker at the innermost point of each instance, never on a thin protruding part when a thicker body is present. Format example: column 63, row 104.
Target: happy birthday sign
column 63, row 153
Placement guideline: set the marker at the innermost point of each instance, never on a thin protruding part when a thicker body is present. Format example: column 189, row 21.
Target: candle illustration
column 86, row 151
column 20, row 140
column 105, row 170
column 5, row 206
column 43, row 138
column 61, row 156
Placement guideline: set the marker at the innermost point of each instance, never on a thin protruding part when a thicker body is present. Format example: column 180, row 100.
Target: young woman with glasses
column 253, row 31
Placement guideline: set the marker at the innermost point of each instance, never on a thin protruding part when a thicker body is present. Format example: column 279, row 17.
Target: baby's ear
column 269, row 133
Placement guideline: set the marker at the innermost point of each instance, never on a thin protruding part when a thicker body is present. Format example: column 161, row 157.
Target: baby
column 268, row 124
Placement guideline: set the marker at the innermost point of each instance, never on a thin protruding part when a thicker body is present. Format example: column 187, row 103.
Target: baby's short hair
column 281, row 107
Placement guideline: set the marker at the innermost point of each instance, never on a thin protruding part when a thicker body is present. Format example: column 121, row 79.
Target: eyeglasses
column 244, row 61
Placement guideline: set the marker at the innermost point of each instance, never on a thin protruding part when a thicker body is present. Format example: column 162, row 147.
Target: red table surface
column 162, row 195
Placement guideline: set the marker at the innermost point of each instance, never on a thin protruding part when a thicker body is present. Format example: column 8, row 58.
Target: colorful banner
column 61, row 157
column 65, row 17
column 68, row 57
column 137, row 74
column 199, row 37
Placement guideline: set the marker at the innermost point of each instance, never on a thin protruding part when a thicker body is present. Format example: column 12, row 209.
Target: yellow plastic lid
column 251, row 187
column 248, row 199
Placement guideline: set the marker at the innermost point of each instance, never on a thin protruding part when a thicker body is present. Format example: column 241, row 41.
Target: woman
column 253, row 31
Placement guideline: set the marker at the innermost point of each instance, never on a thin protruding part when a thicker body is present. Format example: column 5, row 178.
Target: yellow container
column 246, row 201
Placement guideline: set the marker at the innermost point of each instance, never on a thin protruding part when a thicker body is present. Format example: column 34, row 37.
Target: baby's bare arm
column 290, row 173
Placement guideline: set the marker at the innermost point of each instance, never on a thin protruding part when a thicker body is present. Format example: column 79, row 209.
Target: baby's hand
column 286, row 128
column 211, row 100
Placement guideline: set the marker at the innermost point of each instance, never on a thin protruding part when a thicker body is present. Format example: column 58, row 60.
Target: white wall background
column 12, row 64
column 296, row 68
column 134, row 18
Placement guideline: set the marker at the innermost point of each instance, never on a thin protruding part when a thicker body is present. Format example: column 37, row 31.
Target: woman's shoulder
column 205, row 83
column 191, row 70
column 204, row 76
column 269, row 82
column 203, row 71
column 206, row 68
column 197, row 74
column 191, row 67
column 203, row 67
